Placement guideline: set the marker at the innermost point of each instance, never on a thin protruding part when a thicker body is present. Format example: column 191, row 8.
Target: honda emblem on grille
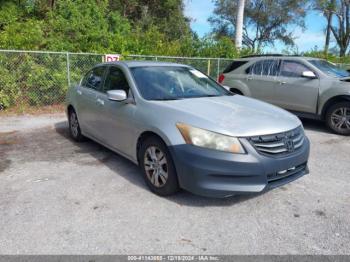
column 289, row 144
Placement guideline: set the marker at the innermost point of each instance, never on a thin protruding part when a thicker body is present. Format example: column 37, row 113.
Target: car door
column 117, row 126
column 261, row 79
column 293, row 91
column 87, row 103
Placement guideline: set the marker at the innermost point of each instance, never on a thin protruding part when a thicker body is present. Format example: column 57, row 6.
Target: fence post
column 208, row 70
column 218, row 69
column 68, row 70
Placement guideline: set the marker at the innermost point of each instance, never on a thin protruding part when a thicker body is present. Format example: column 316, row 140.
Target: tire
column 338, row 118
column 158, row 167
column 74, row 127
column 236, row 91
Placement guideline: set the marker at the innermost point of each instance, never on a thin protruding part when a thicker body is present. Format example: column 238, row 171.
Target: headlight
column 204, row 138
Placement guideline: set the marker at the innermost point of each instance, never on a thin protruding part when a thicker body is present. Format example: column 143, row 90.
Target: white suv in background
column 309, row 87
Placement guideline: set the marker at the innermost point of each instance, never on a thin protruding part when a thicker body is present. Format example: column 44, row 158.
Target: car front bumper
column 213, row 173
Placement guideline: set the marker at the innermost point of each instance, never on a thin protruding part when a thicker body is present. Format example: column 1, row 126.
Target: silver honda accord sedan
column 185, row 130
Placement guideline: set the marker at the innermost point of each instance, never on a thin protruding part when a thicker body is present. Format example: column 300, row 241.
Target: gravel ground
column 60, row 197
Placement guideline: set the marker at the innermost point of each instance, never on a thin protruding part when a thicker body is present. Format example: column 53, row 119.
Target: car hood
column 232, row 115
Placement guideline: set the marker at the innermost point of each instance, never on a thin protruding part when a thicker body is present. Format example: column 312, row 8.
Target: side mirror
column 117, row 95
column 309, row 74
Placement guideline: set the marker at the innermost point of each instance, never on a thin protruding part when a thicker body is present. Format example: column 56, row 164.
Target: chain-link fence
column 40, row 78
column 32, row 78
column 211, row 66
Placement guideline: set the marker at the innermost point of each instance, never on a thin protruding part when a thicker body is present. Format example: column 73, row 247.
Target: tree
column 266, row 21
column 327, row 8
column 341, row 32
column 239, row 24
column 329, row 23
column 131, row 26
column 167, row 15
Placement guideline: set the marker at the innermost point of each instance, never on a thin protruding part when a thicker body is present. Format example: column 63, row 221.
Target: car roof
column 133, row 63
column 262, row 57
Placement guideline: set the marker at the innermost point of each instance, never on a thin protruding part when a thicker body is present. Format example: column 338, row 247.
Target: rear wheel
column 74, row 127
column 338, row 118
column 158, row 167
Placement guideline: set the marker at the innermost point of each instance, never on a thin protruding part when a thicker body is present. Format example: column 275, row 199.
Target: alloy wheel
column 340, row 119
column 156, row 166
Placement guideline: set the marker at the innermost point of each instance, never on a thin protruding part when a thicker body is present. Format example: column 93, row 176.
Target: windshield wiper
column 165, row 99
column 210, row 95
column 202, row 96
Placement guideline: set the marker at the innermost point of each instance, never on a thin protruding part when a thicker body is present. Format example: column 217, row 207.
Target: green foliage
column 265, row 21
column 9, row 90
column 94, row 26
column 28, row 78
column 25, row 35
column 330, row 57
column 145, row 27
column 38, row 79
column 156, row 27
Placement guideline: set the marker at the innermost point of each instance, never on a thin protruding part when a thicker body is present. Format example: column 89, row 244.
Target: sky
column 201, row 10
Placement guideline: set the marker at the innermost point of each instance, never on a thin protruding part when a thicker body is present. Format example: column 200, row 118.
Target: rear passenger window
column 233, row 66
column 267, row 67
column 94, row 78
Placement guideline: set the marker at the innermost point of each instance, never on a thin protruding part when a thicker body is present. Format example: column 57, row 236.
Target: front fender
column 332, row 94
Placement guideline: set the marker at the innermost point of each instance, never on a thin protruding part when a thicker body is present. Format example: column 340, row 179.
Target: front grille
column 286, row 173
column 279, row 144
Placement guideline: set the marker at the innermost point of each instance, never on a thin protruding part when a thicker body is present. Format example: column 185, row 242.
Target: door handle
column 249, row 78
column 283, row 82
column 79, row 92
column 100, row 101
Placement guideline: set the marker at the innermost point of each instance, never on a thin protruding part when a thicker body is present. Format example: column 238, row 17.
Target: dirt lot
column 59, row 197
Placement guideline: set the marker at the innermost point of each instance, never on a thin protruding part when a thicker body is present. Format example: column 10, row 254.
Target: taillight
column 221, row 78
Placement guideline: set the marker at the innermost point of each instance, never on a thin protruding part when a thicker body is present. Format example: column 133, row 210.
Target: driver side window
column 115, row 80
column 292, row 69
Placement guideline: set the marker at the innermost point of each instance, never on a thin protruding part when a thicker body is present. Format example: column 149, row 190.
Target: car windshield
column 329, row 68
column 175, row 82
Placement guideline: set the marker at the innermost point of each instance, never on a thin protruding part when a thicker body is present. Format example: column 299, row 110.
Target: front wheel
column 158, row 167
column 338, row 118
